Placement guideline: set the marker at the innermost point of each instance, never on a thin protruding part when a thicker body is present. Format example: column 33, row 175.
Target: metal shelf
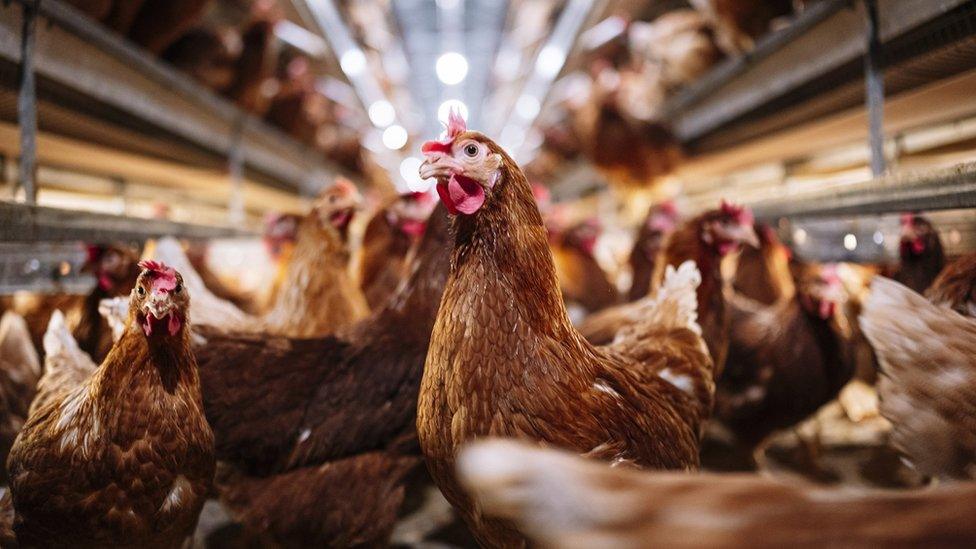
column 929, row 190
column 802, row 72
column 25, row 223
column 79, row 55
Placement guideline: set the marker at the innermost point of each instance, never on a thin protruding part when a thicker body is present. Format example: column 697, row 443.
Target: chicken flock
column 471, row 347
column 617, row 123
column 327, row 415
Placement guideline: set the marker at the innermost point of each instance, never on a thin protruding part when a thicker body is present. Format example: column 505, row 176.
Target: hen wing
column 363, row 496
column 65, row 365
column 666, row 341
column 18, row 356
column 928, row 388
column 256, row 390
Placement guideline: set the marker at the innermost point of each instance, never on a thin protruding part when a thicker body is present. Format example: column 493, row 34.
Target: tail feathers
column 15, row 343
column 928, row 355
column 209, row 309
column 58, row 340
column 674, row 306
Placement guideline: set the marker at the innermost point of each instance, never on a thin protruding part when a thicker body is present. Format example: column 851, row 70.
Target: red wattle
column 461, row 195
column 413, row 228
column 446, row 198
column 174, row 324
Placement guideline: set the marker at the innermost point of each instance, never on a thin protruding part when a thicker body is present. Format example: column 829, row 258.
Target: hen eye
column 471, row 150
column 178, row 288
column 140, row 290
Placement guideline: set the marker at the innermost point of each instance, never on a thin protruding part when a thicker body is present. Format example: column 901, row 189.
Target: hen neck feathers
column 501, row 255
column 137, row 361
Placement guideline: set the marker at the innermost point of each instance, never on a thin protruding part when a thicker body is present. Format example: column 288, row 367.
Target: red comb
column 164, row 276
column 455, row 124
column 908, row 220
column 738, row 212
column 830, row 274
column 344, row 186
column 94, row 253
column 667, row 207
column 455, row 127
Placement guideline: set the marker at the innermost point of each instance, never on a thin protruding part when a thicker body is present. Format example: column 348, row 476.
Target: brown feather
column 287, row 410
column 564, row 501
column 504, row 360
column 123, row 459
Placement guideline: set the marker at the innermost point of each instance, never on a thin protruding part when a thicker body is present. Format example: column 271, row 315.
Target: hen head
column 114, row 267
column 280, row 230
column 467, row 166
column 584, row 236
column 409, row 213
column 662, row 218
column 916, row 235
column 337, row 205
column 159, row 301
column 821, row 290
column 729, row 227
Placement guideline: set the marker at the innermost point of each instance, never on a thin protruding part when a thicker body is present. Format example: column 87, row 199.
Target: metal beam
column 27, row 102
column 945, row 189
column 84, row 56
column 874, row 87
column 26, row 223
column 827, row 36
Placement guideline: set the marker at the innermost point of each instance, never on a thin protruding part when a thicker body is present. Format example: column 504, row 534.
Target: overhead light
column 550, row 61
column 410, row 172
column 353, row 62
column 527, row 107
column 955, row 237
column 800, row 236
column 445, row 109
column 850, row 242
column 395, row 137
column 878, row 237
column 381, row 113
column 451, row 67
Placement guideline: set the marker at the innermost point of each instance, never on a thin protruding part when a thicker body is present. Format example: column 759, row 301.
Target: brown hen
column 318, row 295
column 124, row 458
column 763, row 273
column 921, row 253
column 160, row 23
column 505, row 360
column 785, row 360
column 317, row 434
column 706, row 240
column 738, row 23
column 20, row 369
column 561, row 500
column 389, row 236
column 581, row 278
column 927, row 353
column 651, row 235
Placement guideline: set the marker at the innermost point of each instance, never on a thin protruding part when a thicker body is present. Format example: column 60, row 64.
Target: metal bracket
column 27, row 102
column 874, row 88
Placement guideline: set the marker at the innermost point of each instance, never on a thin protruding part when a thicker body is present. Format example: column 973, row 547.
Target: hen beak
column 159, row 305
column 746, row 234
column 439, row 166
